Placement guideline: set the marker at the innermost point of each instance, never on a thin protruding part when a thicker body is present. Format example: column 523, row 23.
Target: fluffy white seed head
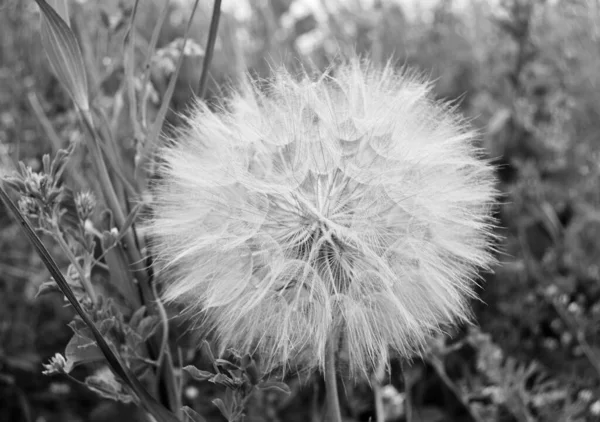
column 353, row 207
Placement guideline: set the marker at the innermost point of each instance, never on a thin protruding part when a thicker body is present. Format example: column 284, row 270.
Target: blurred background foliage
column 525, row 72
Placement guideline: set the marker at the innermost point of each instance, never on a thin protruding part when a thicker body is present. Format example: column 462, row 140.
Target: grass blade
column 64, row 54
column 210, row 47
column 151, row 49
column 62, row 8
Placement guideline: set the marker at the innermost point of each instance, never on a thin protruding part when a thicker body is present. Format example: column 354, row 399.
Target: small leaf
column 81, row 350
column 106, row 385
column 224, row 411
column 147, row 327
column 197, row 374
column 253, row 372
column 275, row 385
column 190, row 415
column 131, row 217
column 64, row 53
column 80, row 328
column 206, row 346
column 225, row 381
column 137, row 317
column 119, row 273
column 47, row 287
column 225, row 364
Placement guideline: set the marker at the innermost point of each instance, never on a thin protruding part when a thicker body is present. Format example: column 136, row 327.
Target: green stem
column 407, row 393
column 210, row 47
column 166, row 376
column 114, row 204
column 85, row 282
column 333, row 404
column 377, row 380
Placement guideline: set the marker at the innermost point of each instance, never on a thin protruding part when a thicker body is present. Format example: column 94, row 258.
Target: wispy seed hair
column 354, row 206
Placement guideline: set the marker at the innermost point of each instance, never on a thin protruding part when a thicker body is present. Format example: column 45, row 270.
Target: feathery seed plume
column 353, row 207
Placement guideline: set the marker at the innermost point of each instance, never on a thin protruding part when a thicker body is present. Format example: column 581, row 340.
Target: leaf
column 197, row 374
column 137, row 317
column 47, row 287
column 275, row 385
column 190, row 415
column 81, row 350
column 147, row 327
column 206, row 346
column 119, row 274
column 62, row 8
column 224, row 380
column 222, row 408
column 252, row 372
column 106, row 385
column 64, row 54
column 225, row 364
column 131, row 218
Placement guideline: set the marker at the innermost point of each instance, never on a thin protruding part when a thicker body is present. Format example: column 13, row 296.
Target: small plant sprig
column 120, row 320
column 240, row 375
column 50, row 204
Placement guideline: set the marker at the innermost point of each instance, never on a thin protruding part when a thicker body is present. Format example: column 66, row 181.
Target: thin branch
column 146, row 76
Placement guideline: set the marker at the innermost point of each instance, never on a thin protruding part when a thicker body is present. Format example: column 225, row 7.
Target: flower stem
column 333, row 404
column 85, row 281
column 407, row 392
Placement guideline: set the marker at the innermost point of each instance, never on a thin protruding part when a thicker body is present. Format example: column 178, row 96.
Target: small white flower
column 354, row 206
column 393, row 403
column 57, row 365
column 595, row 408
column 574, row 308
column 585, row 395
column 191, row 392
column 566, row 338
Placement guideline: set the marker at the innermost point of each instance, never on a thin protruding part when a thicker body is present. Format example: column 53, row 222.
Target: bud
column 85, row 203
column 29, row 207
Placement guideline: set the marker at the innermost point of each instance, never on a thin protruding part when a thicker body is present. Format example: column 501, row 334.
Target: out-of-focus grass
column 525, row 72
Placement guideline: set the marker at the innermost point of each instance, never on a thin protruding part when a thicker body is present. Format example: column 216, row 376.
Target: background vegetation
column 525, row 72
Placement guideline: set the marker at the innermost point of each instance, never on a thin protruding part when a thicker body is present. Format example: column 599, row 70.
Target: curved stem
column 333, row 403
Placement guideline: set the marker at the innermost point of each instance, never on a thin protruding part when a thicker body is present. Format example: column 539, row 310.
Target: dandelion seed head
column 354, row 206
